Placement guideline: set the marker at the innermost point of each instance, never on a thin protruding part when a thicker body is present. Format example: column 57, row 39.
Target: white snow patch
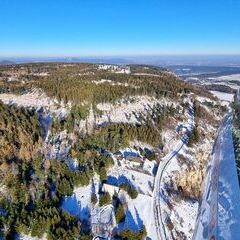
column 113, row 83
column 139, row 213
column 230, row 77
column 223, row 96
column 37, row 99
column 79, row 204
column 127, row 111
column 29, row 237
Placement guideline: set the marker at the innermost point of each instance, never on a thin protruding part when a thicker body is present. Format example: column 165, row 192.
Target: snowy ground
column 170, row 138
column 100, row 219
column 79, row 204
column 124, row 171
column 29, row 237
column 227, row 97
column 205, row 99
column 57, row 146
column 113, row 83
column 140, row 210
column 139, row 213
column 166, row 209
column 146, row 74
column 230, row 77
column 183, row 214
column 128, row 111
column 36, row 99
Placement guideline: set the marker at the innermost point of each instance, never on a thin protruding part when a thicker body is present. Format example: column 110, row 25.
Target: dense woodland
column 74, row 82
column 20, row 133
column 80, row 88
column 34, row 189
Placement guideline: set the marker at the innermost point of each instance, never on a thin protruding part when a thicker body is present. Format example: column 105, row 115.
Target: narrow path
column 157, row 195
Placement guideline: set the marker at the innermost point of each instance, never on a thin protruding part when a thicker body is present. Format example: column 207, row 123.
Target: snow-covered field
column 139, row 213
column 232, row 81
column 79, row 204
column 230, row 77
column 223, row 96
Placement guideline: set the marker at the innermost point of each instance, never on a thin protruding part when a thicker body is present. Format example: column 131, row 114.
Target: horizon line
column 122, row 55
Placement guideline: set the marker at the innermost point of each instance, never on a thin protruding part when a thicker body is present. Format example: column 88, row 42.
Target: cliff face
column 190, row 181
column 189, row 185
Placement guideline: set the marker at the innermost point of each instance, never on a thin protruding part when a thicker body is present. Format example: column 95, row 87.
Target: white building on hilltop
column 115, row 68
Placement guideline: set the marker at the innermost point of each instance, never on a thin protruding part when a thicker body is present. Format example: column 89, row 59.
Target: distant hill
column 6, row 62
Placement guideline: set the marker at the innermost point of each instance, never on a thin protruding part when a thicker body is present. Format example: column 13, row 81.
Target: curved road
column 158, row 216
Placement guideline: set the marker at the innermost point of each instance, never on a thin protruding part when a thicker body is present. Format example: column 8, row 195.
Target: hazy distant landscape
column 162, row 60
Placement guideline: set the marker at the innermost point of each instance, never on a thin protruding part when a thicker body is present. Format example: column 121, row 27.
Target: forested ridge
column 77, row 82
column 80, row 88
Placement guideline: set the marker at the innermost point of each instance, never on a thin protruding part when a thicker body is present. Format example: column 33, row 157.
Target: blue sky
column 118, row 27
